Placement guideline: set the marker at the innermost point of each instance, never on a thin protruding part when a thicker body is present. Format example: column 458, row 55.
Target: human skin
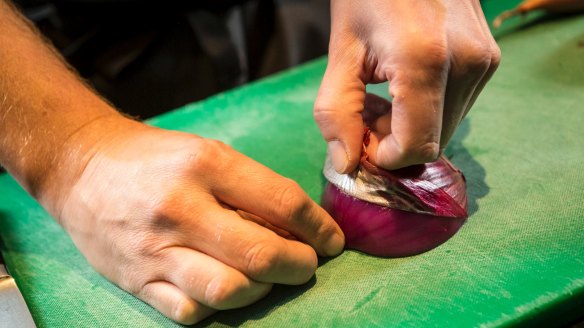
column 137, row 200
column 437, row 56
column 147, row 207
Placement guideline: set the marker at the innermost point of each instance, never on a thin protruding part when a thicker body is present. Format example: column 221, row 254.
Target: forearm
column 43, row 104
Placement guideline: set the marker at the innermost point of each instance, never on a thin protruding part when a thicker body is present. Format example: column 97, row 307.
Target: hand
column 189, row 225
column 437, row 56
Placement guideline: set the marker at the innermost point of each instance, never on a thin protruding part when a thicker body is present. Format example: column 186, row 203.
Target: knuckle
column 209, row 154
column 134, row 281
column 184, row 312
column 495, row 53
column 435, row 54
column 477, row 57
column 323, row 112
column 220, row 291
column 261, row 259
column 168, row 217
column 426, row 153
column 181, row 310
column 162, row 212
column 290, row 200
column 326, row 231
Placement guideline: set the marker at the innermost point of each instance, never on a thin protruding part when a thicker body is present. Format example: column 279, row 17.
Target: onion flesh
column 397, row 213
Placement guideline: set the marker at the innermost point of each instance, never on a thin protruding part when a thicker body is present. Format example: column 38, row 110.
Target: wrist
column 72, row 157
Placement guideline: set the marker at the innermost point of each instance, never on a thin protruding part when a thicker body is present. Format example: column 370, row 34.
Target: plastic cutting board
column 519, row 259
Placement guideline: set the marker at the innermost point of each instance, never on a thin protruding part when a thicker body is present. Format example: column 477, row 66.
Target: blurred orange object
column 553, row 6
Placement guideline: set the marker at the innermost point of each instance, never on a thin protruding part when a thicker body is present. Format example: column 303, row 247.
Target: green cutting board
column 518, row 260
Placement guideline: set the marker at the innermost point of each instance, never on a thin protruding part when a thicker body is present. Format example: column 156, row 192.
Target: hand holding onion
column 396, row 213
column 437, row 57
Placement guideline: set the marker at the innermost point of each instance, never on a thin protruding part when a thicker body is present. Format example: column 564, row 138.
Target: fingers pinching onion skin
column 436, row 198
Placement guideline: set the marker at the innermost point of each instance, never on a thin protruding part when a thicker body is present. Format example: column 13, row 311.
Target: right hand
column 191, row 226
column 436, row 55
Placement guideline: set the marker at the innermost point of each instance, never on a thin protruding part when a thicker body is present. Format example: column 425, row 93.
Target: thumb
column 337, row 112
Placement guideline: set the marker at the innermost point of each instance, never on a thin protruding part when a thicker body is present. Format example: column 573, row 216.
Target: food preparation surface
column 519, row 259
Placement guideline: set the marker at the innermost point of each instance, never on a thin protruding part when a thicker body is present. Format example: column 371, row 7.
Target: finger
column 173, row 303
column 285, row 205
column 251, row 249
column 495, row 60
column 256, row 189
column 416, row 117
column 458, row 95
column 211, row 282
column 257, row 252
column 262, row 222
column 466, row 73
column 470, row 67
column 338, row 106
column 494, row 52
column 377, row 114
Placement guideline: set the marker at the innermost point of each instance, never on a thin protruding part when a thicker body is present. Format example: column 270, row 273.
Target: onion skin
column 384, row 231
column 391, row 232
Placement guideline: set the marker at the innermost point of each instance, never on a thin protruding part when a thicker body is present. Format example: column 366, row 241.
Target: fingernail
column 336, row 150
column 334, row 246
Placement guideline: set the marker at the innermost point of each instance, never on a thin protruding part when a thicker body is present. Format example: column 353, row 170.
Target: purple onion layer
column 425, row 205
column 384, row 231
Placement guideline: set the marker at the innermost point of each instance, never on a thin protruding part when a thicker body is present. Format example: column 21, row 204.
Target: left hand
column 186, row 224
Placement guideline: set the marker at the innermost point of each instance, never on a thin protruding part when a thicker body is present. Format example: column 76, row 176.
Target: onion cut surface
column 397, row 213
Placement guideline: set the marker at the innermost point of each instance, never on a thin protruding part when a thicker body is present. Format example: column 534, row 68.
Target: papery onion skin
column 383, row 231
column 434, row 192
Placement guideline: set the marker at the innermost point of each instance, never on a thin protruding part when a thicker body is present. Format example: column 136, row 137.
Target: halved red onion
column 397, row 213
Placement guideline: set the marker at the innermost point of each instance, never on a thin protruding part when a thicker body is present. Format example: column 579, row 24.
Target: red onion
column 397, row 213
